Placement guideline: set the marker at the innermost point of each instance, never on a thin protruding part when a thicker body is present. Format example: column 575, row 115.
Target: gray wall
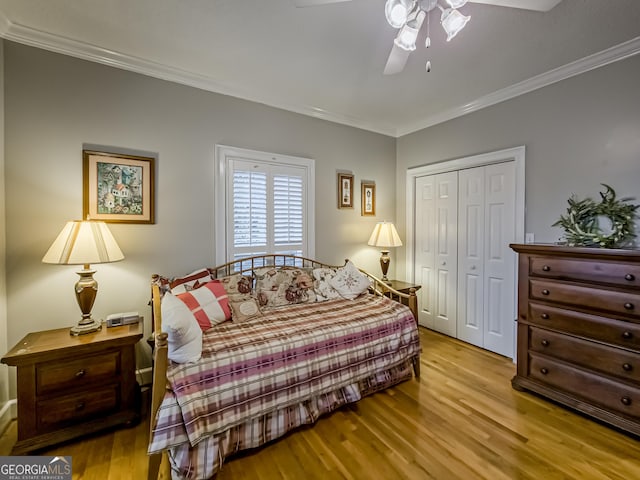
column 4, row 379
column 578, row 133
column 56, row 103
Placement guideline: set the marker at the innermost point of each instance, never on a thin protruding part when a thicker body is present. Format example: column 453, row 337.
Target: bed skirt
column 204, row 460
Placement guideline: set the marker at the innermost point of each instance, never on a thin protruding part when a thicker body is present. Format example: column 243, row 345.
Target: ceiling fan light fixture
column 457, row 3
column 408, row 34
column 453, row 21
column 397, row 12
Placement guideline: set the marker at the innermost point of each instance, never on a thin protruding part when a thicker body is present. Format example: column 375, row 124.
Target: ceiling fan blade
column 537, row 5
column 313, row 3
column 396, row 61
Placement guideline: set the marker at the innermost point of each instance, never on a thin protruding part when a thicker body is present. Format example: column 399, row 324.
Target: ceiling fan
column 408, row 16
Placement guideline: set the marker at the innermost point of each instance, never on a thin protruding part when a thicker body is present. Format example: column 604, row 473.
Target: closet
column 465, row 220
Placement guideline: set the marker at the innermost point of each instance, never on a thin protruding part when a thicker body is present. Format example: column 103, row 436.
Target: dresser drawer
column 614, row 361
column 609, row 330
column 66, row 409
column 591, row 387
column 63, row 375
column 615, row 301
column 586, row 270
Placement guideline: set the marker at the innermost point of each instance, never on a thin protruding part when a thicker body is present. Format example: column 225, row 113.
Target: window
column 264, row 204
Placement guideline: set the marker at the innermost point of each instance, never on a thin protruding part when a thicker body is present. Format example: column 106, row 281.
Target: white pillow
column 324, row 290
column 184, row 333
column 349, row 281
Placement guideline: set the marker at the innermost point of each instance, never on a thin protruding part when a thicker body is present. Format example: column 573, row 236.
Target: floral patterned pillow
column 349, row 281
column 240, row 292
column 280, row 286
column 324, row 290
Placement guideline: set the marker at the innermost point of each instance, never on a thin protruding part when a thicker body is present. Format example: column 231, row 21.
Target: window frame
column 223, row 155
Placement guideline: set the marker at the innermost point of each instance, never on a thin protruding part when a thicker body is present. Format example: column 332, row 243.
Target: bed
column 307, row 352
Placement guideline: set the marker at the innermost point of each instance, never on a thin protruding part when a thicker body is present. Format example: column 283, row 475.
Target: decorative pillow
column 208, row 303
column 323, row 289
column 279, row 286
column 189, row 282
column 239, row 290
column 349, row 281
column 184, row 333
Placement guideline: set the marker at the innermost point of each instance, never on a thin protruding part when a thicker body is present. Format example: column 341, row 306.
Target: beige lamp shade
column 83, row 243
column 385, row 235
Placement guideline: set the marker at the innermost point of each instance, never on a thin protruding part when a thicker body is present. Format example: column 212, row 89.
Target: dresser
column 72, row 385
column 578, row 337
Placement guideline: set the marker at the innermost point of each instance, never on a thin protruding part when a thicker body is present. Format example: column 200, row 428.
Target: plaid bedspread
column 290, row 354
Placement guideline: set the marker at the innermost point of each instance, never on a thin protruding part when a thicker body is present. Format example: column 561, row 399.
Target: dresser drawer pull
column 544, row 371
column 80, row 373
column 544, row 316
column 545, row 292
column 626, row 401
column 80, row 406
column 627, row 335
column 545, row 343
column 628, row 306
column 630, row 277
column 627, row 367
column 546, row 268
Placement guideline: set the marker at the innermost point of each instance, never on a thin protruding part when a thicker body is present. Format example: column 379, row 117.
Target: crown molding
column 67, row 46
column 605, row 57
column 59, row 44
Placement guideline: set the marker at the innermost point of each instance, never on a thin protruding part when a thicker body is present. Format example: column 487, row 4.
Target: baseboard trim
column 8, row 412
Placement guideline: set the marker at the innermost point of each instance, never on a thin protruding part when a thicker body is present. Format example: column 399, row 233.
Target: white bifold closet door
column 436, row 251
column 464, row 224
column 486, row 289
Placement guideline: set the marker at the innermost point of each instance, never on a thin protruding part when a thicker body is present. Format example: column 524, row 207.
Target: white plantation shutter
column 269, row 205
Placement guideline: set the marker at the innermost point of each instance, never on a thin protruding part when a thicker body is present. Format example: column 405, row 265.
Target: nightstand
column 72, row 385
column 402, row 287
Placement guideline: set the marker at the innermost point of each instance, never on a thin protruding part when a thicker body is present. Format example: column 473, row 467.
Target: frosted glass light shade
column 384, row 235
column 397, row 12
column 457, row 3
column 452, row 22
column 82, row 243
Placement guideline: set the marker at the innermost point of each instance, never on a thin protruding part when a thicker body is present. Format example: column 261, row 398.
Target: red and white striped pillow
column 208, row 303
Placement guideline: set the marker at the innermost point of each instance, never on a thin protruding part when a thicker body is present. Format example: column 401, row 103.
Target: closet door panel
column 425, row 247
column 499, row 262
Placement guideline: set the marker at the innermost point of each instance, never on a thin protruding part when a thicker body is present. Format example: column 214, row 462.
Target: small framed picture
column 345, row 190
column 368, row 198
column 117, row 188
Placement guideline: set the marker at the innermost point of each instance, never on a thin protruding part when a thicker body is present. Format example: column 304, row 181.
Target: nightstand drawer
column 55, row 412
column 81, row 371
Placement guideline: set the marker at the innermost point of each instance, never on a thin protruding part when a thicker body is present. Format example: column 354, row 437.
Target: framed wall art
column 368, row 198
column 117, row 188
column 345, row 190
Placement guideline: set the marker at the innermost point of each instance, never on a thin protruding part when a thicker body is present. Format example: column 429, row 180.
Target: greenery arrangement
column 582, row 227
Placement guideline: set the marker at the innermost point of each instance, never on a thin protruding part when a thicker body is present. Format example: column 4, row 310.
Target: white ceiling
column 327, row 61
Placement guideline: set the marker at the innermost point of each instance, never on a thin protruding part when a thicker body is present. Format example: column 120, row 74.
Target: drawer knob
column 626, row 400
column 80, row 373
column 627, row 335
column 544, row 316
column 628, row 306
column 546, row 268
column 630, row 277
column 545, row 292
column 627, row 367
column 545, row 343
column 544, row 371
column 79, row 406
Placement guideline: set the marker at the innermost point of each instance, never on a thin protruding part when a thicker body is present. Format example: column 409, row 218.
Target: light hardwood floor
column 461, row 420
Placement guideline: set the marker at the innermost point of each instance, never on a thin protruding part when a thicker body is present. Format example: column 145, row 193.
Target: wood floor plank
column 460, row 420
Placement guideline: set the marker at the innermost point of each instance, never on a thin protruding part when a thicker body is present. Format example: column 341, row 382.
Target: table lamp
column 385, row 235
column 84, row 243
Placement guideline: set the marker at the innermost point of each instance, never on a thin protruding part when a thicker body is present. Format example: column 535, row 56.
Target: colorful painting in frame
column 117, row 188
column 368, row 198
column 345, row 190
